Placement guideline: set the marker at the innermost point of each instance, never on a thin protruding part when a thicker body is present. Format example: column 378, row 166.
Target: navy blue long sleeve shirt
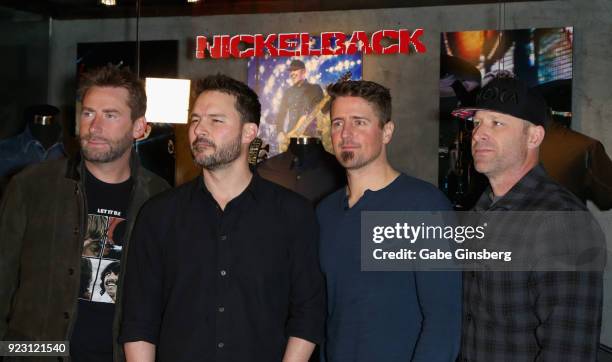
column 385, row 316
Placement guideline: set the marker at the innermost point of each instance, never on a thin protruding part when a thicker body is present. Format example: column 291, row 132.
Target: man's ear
column 139, row 127
column 535, row 136
column 388, row 129
column 249, row 132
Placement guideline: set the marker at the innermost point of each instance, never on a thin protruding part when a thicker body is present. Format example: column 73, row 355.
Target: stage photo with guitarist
column 293, row 98
column 298, row 100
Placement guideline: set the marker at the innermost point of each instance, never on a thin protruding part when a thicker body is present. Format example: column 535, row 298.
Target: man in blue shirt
column 379, row 316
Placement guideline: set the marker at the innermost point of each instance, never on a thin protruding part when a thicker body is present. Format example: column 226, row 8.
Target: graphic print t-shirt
column 92, row 337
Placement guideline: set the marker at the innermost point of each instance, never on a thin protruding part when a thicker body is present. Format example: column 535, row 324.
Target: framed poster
column 293, row 96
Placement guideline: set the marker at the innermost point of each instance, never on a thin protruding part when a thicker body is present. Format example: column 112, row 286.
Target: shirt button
column 220, row 345
column 76, row 230
column 221, row 309
column 468, row 317
column 223, row 273
column 223, row 237
column 66, row 315
column 299, row 177
column 70, row 271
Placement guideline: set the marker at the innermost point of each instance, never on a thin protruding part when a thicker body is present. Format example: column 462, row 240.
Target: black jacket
column 43, row 219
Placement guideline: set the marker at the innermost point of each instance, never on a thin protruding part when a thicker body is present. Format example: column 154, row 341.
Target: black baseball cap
column 509, row 96
column 296, row 64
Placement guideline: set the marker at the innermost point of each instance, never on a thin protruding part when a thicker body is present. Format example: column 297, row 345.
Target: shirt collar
column 517, row 194
column 28, row 140
column 363, row 201
column 252, row 190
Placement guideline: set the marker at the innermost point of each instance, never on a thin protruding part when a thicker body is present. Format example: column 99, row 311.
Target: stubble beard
column 115, row 149
column 221, row 158
column 499, row 164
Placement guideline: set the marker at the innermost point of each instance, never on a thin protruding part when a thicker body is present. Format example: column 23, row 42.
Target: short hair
column 110, row 268
column 376, row 94
column 113, row 76
column 247, row 102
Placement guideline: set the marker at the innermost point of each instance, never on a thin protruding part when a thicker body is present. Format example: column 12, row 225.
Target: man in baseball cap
column 540, row 314
column 296, row 64
column 299, row 100
column 508, row 120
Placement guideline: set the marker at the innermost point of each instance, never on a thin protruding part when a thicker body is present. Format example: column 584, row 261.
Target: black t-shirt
column 92, row 337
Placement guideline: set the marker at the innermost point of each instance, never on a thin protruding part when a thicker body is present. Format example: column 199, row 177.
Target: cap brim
column 466, row 113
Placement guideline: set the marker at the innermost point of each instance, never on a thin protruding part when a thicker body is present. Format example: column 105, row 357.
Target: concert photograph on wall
column 293, row 98
column 541, row 57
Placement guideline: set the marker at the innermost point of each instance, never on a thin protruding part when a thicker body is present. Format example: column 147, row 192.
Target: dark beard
column 222, row 156
column 116, row 149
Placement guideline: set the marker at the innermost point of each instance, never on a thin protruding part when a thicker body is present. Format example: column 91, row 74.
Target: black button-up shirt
column 314, row 175
column 205, row 284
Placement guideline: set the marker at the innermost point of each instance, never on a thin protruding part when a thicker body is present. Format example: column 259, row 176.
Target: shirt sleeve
column 439, row 296
column 568, row 304
column 316, row 95
column 307, row 300
column 142, row 289
column 12, row 228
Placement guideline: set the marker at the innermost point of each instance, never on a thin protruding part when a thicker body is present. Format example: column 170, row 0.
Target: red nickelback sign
column 300, row 44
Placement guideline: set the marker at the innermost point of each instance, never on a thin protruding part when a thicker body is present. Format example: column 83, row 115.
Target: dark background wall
column 24, row 57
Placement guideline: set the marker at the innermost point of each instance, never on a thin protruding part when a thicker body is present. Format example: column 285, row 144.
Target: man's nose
column 95, row 126
column 200, row 128
column 480, row 132
column 346, row 131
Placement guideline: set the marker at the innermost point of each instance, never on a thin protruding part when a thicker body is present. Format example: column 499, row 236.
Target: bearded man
column 55, row 220
column 225, row 267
